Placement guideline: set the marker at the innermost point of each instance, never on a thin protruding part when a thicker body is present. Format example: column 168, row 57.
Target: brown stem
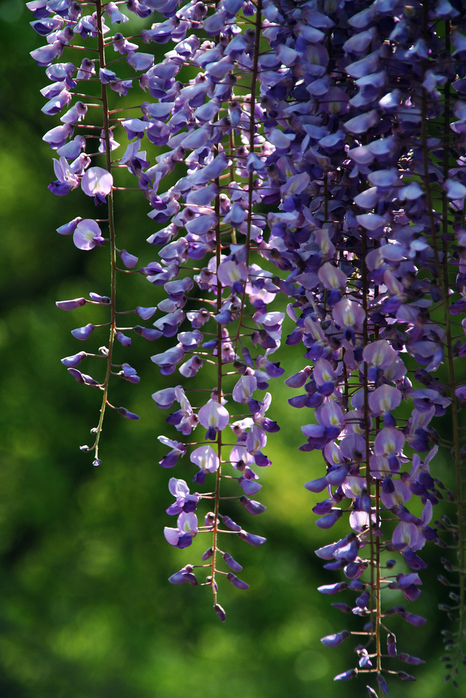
column 111, row 226
column 374, row 541
column 252, row 131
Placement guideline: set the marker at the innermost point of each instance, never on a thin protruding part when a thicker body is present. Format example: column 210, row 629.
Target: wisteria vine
column 299, row 154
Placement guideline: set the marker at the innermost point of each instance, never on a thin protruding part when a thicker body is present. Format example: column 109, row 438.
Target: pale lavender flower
column 182, row 536
column 214, row 417
column 97, row 182
column 205, row 458
column 185, row 501
column 178, row 449
column 87, row 234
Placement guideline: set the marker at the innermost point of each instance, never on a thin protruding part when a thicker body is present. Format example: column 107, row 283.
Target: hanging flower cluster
column 370, row 219
column 208, row 130
column 323, row 140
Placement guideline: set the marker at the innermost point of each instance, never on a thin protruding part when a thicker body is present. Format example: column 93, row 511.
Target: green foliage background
column 85, row 607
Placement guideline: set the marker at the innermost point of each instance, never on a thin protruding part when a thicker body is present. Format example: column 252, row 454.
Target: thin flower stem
column 374, row 542
column 111, row 226
column 252, row 130
column 218, row 254
column 453, row 382
column 441, row 264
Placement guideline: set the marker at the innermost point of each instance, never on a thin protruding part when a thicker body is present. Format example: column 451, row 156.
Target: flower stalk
column 112, row 233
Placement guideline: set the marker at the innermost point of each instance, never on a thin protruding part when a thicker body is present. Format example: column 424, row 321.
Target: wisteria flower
column 233, row 274
column 167, row 360
column 214, row 417
column 384, row 399
column 178, row 449
column 87, row 235
column 67, row 177
column 183, row 419
column 240, row 457
column 182, row 536
column 98, row 183
column 207, row 461
column 185, row 501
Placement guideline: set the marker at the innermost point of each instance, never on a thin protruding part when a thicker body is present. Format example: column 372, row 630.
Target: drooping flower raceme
column 362, row 236
column 208, row 129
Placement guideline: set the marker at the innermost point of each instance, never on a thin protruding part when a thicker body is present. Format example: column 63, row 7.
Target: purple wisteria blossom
column 98, row 183
column 182, row 536
column 87, row 235
column 323, row 141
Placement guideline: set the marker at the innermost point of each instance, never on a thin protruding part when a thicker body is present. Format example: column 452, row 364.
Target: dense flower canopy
column 305, row 157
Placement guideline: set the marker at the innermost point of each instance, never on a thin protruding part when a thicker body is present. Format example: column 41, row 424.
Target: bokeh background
column 85, row 607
